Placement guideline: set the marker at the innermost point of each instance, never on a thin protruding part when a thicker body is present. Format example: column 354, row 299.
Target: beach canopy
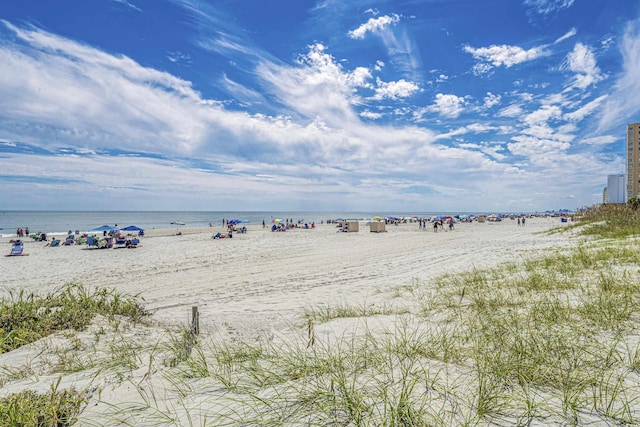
column 104, row 228
column 237, row 221
column 132, row 228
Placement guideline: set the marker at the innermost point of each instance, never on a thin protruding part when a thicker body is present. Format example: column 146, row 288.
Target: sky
column 325, row 105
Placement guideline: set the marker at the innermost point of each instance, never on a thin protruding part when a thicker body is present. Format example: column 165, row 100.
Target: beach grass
column 28, row 317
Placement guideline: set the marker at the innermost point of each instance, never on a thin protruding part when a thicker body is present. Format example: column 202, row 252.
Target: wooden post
column 195, row 320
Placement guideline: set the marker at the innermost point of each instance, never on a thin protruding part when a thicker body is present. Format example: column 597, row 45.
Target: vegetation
column 30, row 409
column 25, row 318
column 613, row 220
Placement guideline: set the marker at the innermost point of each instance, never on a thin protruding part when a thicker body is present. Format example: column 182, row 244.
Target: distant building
column 633, row 160
column 615, row 189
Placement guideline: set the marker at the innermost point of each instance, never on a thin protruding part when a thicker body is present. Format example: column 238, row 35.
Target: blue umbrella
column 132, row 228
column 104, row 228
column 234, row 221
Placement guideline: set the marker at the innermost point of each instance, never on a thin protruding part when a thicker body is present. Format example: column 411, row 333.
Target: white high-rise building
column 616, row 189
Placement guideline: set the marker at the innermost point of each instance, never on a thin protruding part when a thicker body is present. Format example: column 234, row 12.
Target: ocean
column 59, row 222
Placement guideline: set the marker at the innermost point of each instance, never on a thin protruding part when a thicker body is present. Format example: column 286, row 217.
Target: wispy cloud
column 625, row 99
column 374, row 25
column 582, row 61
column 572, row 32
column 128, row 4
column 545, row 7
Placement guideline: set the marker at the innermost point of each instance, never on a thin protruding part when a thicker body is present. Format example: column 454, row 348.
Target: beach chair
column 92, row 241
column 17, row 249
column 55, row 242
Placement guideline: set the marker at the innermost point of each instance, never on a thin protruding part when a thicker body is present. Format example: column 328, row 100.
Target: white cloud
column 582, row 61
column 371, row 115
column 543, row 115
column 448, row 105
column 545, row 7
column 601, row 140
column 625, row 97
column 498, row 55
column 586, row 109
column 513, row 110
column 395, row 90
column 491, row 100
column 572, row 32
column 128, row 4
column 374, row 25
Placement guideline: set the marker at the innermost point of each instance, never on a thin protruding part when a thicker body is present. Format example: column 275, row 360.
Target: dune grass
column 28, row 317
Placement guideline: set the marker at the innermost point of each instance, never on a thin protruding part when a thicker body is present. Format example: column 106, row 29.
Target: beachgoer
column 435, row 226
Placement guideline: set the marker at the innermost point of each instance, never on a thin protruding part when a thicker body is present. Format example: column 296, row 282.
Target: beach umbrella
column 377, row 218
column 236, row 221
column 177, row 223
column 276, row 220
column 132, row 228
column 104, row 228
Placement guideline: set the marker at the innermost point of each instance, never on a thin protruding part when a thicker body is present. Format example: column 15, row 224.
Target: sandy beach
column 263, row 280
column 253, row 285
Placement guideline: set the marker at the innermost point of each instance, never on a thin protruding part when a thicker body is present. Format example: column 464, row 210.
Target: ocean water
column 59, row 222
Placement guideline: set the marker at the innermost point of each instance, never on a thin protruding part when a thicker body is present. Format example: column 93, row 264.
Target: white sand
column 259, row 279
column 259, row 283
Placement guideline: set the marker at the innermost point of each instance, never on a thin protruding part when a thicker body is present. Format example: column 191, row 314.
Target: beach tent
column 104, row 228
column 237, row 221
column 133, row 228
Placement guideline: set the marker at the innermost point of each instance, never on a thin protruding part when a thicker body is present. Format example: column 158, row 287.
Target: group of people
column 22, row 232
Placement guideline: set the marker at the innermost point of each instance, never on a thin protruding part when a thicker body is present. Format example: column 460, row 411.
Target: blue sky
column 399, row 105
